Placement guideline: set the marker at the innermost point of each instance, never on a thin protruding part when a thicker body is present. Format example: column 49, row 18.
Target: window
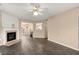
column 38, row 26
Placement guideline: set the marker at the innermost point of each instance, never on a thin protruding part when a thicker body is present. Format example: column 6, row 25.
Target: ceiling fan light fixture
column 36, row 10
column 35, row 13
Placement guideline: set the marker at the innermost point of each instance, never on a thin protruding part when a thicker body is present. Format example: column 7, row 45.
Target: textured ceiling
column 20, row 10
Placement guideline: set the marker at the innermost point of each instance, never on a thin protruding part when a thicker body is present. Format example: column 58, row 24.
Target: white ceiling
column 20, row 10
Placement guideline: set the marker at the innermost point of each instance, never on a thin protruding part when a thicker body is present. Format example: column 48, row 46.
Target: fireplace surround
column 10, row 36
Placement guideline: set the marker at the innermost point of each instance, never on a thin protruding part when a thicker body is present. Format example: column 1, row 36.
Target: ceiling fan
column 36, row 9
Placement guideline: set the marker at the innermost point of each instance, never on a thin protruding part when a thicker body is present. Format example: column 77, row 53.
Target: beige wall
column 63, row 28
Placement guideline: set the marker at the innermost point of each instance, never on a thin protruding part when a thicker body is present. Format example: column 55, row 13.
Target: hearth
column 11, row 36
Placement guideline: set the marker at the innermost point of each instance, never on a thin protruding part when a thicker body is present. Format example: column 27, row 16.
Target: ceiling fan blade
column 43, row 9
column 40, row 13
column 40, row 9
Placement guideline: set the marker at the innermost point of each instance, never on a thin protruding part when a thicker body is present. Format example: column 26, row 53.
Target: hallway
column 29, row 46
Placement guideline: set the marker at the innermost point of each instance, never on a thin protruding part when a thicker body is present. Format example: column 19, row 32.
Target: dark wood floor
column 29, row 46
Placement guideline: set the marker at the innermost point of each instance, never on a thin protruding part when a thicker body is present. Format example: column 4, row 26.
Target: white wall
column 63, row 28
column 8, row 20
column 1, row 29
column 0, row 23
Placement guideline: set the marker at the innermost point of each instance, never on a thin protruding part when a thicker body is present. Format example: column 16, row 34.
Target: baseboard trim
column 65, row 45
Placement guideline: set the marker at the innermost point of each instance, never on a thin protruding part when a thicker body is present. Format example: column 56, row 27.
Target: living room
column 39, row 29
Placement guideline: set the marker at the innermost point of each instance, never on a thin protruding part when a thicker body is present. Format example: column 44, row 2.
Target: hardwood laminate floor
column 30, row 46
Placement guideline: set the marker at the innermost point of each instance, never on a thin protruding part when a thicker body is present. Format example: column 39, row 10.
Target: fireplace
column 11, row 36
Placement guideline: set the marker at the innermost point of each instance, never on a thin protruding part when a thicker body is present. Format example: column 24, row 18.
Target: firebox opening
column 11, row 36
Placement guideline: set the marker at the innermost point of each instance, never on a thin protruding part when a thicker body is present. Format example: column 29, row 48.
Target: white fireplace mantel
column 4, row 40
